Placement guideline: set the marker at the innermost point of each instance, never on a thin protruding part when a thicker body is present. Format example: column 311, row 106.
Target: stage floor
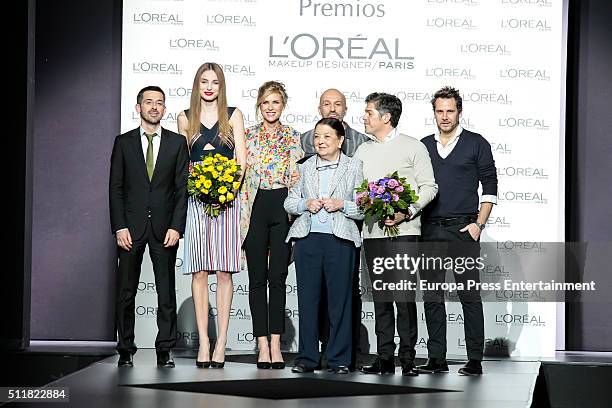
column 506, row 383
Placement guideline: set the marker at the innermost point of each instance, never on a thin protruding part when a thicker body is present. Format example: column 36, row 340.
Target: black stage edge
column 572, row 384
column 37, row 366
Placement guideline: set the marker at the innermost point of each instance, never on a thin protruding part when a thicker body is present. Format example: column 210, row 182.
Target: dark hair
column 149, row 88
column 386, row 103
column 334, row 124
column 446, row 93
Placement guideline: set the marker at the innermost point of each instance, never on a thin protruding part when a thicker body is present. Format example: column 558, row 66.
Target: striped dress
column 211, row 244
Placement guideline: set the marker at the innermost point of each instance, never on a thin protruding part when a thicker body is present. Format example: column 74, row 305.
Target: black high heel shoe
column 264, row 365
column 202, row 364
column 217, row 364
column 278, row 365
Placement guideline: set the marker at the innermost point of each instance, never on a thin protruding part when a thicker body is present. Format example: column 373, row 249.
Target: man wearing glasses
column 388, row 151
column 332, row 104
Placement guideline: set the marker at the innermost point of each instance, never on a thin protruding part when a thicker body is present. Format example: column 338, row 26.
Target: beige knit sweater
column 410, row 158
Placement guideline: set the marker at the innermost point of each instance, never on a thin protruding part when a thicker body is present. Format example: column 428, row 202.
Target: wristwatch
column 481, row 226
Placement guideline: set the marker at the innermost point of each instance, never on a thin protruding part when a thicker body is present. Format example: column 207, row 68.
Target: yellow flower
column 230, row 196
column 204, row 191
column 229, row 178
column 234, row 168
column 198, row 184
column 236, row 184
column 224, row 159
column 221, row 199
column 208, row 161
column 202, row 178
column 207, row 183
column 222, row 190
column 219, row 168
column 217, row 155
column 215, row 175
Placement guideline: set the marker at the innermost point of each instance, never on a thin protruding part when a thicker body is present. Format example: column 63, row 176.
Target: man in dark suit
column 148, row 206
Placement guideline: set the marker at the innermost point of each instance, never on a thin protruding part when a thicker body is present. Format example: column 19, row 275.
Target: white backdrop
column 506, row 56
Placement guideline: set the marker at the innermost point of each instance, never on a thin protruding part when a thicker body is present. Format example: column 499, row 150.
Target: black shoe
column 202, row 364
column 408, row 369
column 380, row 366
column 278, row 365
column 264, row 365
column 433, row 366
column 164, row 359
column 339, row 370
column 217, row 364
column 473, row 367
column 125, row 359
column 300, row 368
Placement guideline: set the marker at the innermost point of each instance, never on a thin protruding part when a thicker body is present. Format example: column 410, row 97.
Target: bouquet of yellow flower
column 213, row 182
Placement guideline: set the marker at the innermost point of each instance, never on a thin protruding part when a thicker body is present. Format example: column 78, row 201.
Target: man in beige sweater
column 388, row 151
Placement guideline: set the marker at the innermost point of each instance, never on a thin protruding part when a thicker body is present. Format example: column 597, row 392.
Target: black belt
column 442, row 221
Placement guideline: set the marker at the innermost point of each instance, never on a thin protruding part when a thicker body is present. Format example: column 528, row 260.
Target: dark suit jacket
column 133, row 197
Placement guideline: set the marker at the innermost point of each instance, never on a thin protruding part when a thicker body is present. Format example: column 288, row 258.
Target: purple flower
column 399, row 189
column 386, row 197
column 392, row 183
column 380, row 190
column 372, row 194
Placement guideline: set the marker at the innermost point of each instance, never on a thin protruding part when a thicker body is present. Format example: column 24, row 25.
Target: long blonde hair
column 195, row 105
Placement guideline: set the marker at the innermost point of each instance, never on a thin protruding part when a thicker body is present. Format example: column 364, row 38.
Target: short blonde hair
column 269, row 88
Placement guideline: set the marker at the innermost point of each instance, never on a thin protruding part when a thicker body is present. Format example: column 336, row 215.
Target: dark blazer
column 133, row 197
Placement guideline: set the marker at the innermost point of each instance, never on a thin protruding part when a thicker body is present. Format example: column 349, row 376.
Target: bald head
column 332, row 104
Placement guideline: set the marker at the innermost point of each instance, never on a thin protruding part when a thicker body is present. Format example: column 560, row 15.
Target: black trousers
column 458, row 244
column 384, row 312
column 324, row 258
column 267, row 233
column 356, row 306
column 164, row 260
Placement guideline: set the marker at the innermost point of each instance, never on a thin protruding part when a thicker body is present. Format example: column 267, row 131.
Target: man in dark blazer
column 148, row 206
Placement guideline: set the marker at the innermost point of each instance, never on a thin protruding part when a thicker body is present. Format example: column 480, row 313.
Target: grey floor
column 506, row 383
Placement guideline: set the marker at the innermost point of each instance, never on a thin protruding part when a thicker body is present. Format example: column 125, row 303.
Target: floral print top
column 274, row 157
column 271, row 159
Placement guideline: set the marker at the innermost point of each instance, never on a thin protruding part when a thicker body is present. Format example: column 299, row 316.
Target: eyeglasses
column 327, row 166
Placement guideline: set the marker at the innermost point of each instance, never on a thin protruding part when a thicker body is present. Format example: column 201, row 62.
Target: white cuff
column 489, row 198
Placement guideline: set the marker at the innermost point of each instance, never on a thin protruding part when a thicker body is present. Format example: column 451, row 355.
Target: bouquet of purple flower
column 383, row 198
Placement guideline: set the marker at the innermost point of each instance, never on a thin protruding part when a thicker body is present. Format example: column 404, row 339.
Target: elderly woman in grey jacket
column 326, row 236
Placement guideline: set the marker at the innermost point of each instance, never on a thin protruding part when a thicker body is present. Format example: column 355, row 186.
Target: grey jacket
column 347, row 177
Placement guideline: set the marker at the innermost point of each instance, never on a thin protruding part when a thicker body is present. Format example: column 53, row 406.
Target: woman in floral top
column 273, row 150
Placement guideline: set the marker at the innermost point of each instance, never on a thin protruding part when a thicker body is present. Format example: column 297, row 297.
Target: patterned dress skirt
column 212, row 244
